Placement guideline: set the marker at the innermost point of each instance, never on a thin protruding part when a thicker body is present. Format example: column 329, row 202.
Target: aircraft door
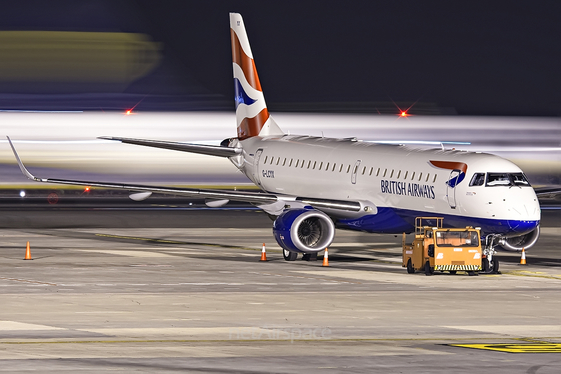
column 256, row 166
column 451, row 188
column 355, row 171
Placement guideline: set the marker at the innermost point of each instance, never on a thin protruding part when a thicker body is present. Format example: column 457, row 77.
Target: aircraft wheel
column 485, row 265
column 310, row 257
column 289, row 256
column 428, row 270
column 453, row 272
column 410, row 268
column 495, row 266
column 471, row 273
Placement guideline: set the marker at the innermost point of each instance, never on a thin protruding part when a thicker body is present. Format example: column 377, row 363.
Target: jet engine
column 516, row 243
column 304, row 230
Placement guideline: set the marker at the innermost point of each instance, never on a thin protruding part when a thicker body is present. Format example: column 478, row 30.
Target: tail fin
column 252, row 116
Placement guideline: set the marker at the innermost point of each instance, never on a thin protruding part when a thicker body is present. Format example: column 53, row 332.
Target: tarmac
column 178, row 289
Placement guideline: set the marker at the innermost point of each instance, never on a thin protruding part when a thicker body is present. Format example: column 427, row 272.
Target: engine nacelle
column 304, row 230
column 525, row 241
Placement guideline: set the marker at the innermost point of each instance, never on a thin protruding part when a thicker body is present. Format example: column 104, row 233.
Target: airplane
column 313, row 185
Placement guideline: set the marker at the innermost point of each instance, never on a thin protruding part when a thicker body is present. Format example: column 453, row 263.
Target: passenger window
column 405, row 176
column 278, row 160
column 284, row 162
column 428, row 176
column 478, row 179
column 385, row 172
column 434, row 180
column 327, row 167
column 315, row 162
column 265, row 159
column 334, row 165
column 420, row 176
column 364, row 170
column 378, row 172
column 398, row 174
column 272, row 158
column 320, row 165
column 413, row 176
column 302, row 164
column 391, row 175
column 371, row 170
column 341, row 168
column 297, row 161
column 309, row 163
column 348, row 168
column 290, row 163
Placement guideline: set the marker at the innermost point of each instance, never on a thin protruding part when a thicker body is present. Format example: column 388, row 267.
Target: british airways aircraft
column 313, row 185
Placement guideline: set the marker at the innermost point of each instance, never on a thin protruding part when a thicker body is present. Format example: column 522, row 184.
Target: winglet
column 21, row 166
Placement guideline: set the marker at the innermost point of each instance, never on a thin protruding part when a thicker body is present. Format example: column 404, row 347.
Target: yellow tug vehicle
column 438, row 249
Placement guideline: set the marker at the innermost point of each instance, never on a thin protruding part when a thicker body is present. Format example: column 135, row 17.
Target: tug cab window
column 456, row 239
column 507, row 179
column 478, row 179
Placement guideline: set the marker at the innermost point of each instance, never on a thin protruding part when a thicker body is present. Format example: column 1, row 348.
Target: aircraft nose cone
column 523, row 227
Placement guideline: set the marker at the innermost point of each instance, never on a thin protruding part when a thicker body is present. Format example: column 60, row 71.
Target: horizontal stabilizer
column 212, row 150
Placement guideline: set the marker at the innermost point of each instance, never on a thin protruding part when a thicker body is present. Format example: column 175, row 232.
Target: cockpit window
column 507, row 179
column 520, row 179
column 478, row 179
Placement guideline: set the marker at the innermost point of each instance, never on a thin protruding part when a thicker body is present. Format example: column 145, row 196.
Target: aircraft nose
column 523, row 227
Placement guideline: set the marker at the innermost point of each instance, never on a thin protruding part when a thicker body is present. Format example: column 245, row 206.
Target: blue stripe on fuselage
column 396, row 221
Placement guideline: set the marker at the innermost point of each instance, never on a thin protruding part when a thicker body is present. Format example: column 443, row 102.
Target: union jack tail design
column 252, row 116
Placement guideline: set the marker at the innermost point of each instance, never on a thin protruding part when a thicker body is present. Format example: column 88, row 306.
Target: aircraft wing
column 268, row 202
column 547, row 192
column 212, row 150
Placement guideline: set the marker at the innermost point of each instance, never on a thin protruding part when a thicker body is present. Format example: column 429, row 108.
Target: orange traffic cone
column 325, row 258
column 28, row 253
column 523, row 257
column 263, row 254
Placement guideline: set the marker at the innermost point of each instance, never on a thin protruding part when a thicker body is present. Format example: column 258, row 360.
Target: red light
column 404, row 114
column 87, row 189
column 128, row 112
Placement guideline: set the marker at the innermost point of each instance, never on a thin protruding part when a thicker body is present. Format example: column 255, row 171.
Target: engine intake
column 516, row 243
column 304, row 230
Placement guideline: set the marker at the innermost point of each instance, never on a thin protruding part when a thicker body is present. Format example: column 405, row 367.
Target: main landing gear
column 289, row 256
column 292, row 256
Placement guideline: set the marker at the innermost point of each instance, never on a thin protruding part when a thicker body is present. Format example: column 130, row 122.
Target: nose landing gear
column 490, row 263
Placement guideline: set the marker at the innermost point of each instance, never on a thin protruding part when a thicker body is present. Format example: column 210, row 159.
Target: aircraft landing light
column 515, row 348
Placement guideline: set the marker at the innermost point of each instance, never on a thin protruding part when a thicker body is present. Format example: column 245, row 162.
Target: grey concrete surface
column 118, row 292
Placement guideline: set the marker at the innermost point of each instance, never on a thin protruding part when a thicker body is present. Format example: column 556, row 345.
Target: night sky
column 477, row 57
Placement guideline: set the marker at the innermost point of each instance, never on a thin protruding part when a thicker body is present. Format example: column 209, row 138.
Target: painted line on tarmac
column 276, row 340
column 164, row 241
column 29, row 281
column 533, row 274
column 514, row 348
